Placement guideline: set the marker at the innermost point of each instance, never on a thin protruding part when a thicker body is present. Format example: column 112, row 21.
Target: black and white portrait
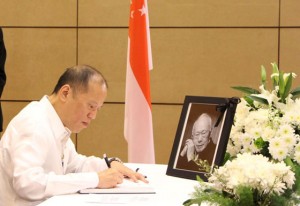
column 202, row 135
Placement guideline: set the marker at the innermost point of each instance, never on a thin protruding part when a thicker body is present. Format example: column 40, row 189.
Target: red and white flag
column 138, row 128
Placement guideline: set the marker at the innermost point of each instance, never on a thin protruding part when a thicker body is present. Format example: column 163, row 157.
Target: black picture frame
column 221, row 112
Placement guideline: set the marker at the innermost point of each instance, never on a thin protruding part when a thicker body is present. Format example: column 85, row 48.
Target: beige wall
column 200, row 47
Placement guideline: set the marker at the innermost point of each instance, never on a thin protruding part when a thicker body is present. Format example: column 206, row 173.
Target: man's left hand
column 128, row 173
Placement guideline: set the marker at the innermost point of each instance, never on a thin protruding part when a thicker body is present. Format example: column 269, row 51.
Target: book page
column 127, row 187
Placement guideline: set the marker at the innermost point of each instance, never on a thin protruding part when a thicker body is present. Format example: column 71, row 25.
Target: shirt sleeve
column 81, row 163
column 70, row 183
column 80, row 173
column 31, row 181
column 35, row 176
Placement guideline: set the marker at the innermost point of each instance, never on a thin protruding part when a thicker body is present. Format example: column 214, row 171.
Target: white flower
column 278, row 149
column 269, row 96
column 297, row 156
column 255, row 171
column 245, row 138
column 285, row 130
column 242, row 110
column 270, row 128
column 277, row 124
column 285, row 75
column 268, row 133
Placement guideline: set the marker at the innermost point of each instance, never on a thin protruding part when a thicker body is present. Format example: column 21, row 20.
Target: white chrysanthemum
column 278, row 149
column 297, row 147
column 279, row 154
column 255, row 122
column 268, row 133
column 275, row 143
column 297, row 156
column 242, row 110
column 246, row 138
column 290, row 142
column 232, row 150
column 235, row 129
column 254, row 149
column 277, row 120
column 236, row 139
column 292, row 116
column 285, row 130
column 277, row 126
column 255, row 132
column 246, row 149
column 254, row 171
column 260, row 115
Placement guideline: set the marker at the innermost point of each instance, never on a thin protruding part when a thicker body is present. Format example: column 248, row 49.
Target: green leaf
column 249, row 101
column 259, row 143
column 296, row 169
column 245, row 195
column 263, row 76
column 246, row 90
column 295, row 92
column 288, row 86
column 281, row 86
column 227, row 157
column 259, row 99
column 297, row 175
column 288, row 161
column 199, row 179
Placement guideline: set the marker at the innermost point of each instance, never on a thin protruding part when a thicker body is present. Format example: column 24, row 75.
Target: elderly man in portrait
column 199, row 145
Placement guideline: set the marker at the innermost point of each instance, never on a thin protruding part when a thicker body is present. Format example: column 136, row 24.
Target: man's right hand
column 189, row 150
column 109, row 178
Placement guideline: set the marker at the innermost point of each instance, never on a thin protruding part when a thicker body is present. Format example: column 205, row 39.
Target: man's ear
column 64, row 92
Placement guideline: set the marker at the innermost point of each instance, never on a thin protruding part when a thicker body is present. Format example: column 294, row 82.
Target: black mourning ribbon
column 222, row 107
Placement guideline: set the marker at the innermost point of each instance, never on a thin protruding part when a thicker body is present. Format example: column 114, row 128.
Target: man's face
column 201, row 134
column 82, row 108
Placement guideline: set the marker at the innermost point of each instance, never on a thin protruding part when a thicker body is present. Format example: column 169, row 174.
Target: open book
column 127, row 187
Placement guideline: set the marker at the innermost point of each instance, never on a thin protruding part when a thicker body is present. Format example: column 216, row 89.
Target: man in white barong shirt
column 37, row 157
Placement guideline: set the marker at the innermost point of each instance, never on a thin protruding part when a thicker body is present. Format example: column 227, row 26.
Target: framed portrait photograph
column 202, row 135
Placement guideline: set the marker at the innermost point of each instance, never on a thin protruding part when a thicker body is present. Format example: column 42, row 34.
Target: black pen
column 137, row 169
column 106, row 160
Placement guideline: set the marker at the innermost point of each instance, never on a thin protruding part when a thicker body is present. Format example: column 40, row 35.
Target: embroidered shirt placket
column 63, row 146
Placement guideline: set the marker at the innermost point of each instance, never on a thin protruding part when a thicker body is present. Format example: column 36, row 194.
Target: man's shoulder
column 31, row 111
column 211, row 144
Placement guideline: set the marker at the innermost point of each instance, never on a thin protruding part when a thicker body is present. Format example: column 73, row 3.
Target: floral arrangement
column 267, row 126
column 268, row 122
column 246, row 180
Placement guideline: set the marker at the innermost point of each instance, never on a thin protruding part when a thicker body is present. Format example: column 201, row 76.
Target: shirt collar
column 61, row 132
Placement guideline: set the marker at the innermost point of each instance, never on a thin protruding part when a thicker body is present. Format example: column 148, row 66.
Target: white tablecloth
column 169, row 191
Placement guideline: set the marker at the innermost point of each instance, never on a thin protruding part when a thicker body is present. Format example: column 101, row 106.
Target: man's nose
column 92, row 114
column 199, row 138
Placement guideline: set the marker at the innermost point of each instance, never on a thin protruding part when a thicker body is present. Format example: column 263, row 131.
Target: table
column 169, row 191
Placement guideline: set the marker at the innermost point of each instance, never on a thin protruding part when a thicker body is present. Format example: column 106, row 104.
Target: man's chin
column 77, row 130
column 200, row 149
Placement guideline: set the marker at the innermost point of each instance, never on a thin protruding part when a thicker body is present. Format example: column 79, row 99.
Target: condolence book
column 127, row 187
